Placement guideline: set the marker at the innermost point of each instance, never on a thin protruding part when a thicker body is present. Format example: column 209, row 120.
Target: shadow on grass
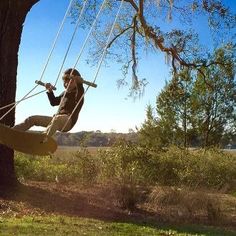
column 57, row 199
column 62, row 200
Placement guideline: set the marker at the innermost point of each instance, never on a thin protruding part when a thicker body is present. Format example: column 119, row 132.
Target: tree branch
column 133, row 4
column 173, row 51
column 141, row 7
column 133, row 49
column 118, row 35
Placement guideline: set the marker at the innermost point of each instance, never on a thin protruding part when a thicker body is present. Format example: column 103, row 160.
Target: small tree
column 149, row 133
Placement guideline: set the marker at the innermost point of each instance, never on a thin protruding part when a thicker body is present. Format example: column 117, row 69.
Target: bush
column 135, row 165
column 40, row 168
column 195, row 168
column 128, row 166
column 82, row 168
column 184, row 204
column 87, row 167
column 125, row 163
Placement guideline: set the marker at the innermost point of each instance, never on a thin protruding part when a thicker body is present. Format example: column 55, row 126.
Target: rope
column 100, row 63
column 82, row 49
column 70, row 43
column 46, row 64
column 88, row 35
column 55, row 41
column 11, row 104
column 17, row 103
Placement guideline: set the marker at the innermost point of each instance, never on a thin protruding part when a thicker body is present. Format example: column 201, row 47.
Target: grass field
column 42, row 208
column 63, row 225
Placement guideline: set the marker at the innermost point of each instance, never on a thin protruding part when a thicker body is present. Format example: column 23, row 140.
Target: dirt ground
column 101, row 202
column 40, row 198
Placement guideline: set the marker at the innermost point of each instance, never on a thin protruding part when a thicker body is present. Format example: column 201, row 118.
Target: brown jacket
column 69, row 102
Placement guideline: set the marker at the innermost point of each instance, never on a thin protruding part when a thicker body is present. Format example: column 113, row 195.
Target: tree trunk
column 12, row 17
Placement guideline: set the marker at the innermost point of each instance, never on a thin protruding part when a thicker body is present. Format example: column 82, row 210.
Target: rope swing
column 99, row 64
column 45, row 66
column 89, row 84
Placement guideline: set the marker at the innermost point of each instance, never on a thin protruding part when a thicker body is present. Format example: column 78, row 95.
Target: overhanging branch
column 133, row 49
column 118, row 35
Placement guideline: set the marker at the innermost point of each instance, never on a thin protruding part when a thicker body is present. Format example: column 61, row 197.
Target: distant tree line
column 93, row 139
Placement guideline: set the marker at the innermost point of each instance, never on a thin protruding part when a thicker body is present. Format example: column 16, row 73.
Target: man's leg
column 33, row 121
column 57, row 123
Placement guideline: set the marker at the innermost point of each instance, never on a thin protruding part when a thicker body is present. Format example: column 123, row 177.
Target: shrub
column 129, row 166
column 196, row 168
column 126, row 166
column 134, row 165
column 39, row 168
column 184, row 204
column 83, row 168
column 87, row 167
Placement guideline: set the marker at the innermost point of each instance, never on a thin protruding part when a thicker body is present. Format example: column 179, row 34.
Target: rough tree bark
column 12, row 17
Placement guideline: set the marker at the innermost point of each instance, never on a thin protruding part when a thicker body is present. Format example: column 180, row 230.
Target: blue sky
column 106, row 108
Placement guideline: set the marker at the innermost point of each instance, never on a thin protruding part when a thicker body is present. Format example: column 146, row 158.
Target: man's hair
column 80, row 88
column 74, row 72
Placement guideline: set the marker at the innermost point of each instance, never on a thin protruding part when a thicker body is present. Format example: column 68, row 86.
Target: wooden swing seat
column 30, row 142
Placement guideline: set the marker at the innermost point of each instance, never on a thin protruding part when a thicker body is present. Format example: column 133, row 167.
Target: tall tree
column 190, row 106
column 172, row 120
column 173, row 107
column 12, row 17
column 214, row 102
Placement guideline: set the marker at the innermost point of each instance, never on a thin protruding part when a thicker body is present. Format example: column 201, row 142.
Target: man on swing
column 68, row 111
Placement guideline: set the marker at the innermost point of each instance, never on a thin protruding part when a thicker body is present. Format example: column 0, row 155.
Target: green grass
column 63, row 225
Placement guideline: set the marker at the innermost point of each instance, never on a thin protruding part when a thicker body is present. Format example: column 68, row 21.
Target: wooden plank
column 29, row 142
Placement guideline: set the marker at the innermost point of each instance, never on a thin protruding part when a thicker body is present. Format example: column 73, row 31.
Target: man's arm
column 54, row 101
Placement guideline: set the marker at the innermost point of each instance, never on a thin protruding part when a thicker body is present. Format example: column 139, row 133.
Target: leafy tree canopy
column 167, row 26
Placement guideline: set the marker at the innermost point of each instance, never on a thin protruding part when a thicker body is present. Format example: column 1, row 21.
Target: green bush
column 39, row 168
column 132, row 164
column 125, row 163
column 82, row 168
column 128, row 164
column 195, row 168
column 129, row 167
column 87, row 166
